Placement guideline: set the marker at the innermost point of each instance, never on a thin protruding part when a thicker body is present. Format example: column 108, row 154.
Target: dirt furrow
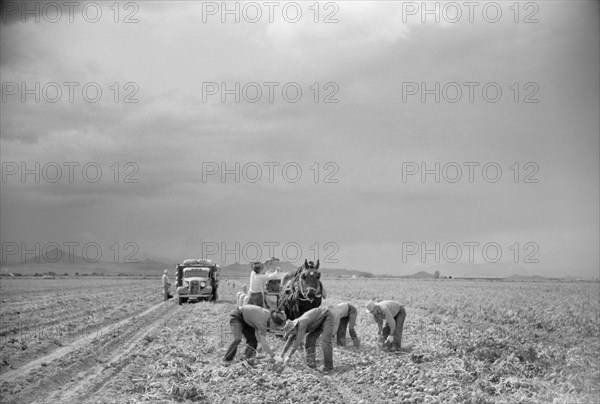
column 61, row 372
column 60, row 329
column 110, row 367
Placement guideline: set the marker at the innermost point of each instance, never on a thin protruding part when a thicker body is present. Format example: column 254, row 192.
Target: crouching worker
column 252, row 323
column 394, row 314
column 310, row 325
column 345, row 319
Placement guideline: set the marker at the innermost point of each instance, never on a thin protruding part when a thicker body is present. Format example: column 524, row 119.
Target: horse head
column 310, row 283
column 311, row 265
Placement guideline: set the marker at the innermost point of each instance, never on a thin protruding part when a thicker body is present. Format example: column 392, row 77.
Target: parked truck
column 197, row 279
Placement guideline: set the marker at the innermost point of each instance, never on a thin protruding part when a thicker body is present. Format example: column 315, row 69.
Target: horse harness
column 296, row 294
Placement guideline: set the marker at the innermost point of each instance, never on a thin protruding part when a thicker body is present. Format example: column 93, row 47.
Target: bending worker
column 394, row 314
column 310, row 326
column 252, row 323
column 345, row 318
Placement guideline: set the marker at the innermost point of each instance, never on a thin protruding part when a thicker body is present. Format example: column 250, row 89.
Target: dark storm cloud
column 368, row 134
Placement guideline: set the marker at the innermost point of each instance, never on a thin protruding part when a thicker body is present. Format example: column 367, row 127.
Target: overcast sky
column 367, row 202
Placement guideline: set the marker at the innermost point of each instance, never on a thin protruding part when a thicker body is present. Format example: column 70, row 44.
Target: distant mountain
column 58, row 256
column 483, row 270
column 238, row 269
column 60, row 261
column 327, row 272
column 147, row 264
column 287, row 266
column 143, row 256
column 526, row 278
column 421, row 275
column 498, row 271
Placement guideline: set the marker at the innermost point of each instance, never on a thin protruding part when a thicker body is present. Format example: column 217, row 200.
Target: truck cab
column 197, row 279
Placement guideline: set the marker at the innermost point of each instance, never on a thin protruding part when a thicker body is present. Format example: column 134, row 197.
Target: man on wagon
column 394, row 314
column 251, row 322
column 257, row 282
column 345, row 318
column 310, row 326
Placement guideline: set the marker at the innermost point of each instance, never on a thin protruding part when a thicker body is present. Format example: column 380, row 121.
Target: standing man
column 257, row 284
column 214, row 274
column 345, row 318
column 252, row 323
column 166, row 285
column 310, row 326
column 394, row 314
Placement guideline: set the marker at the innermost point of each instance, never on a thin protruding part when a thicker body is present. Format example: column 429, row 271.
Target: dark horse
column 301, row 290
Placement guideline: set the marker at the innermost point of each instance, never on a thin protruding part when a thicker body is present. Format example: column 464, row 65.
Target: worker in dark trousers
column 251, row 322
column 394, row 314
column 310, row 326
column 345, row 319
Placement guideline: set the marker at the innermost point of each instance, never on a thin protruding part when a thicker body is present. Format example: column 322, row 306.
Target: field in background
column 465, row 341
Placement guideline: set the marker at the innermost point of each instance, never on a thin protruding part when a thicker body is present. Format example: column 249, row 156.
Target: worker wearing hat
column 256, row 285
column 166, row 285
column 394, row 314
column 310, row 325
column 251, row 322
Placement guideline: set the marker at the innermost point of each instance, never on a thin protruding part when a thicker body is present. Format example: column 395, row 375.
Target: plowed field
column 100, row 340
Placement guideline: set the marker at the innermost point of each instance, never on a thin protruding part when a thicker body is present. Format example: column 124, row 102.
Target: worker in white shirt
column 394, row 314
